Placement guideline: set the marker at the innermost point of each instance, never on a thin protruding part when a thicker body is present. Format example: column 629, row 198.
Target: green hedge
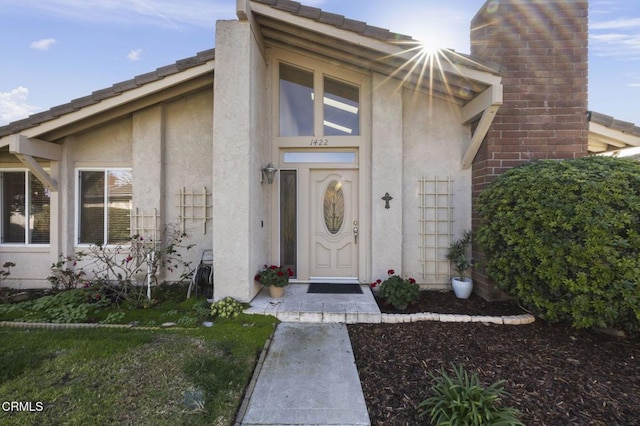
column 564, row 238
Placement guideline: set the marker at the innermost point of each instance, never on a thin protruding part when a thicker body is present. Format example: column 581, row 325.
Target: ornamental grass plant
column 461, row 400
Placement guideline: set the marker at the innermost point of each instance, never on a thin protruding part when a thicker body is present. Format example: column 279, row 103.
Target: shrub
column 564, row 238
column 226, row 308
column 462, row 400
column 65, row 273
column 399, row 292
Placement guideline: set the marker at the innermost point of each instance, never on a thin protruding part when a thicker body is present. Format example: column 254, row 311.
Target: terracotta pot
column 276, row 292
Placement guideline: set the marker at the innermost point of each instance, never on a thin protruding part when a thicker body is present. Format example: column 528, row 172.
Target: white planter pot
column 462, row 288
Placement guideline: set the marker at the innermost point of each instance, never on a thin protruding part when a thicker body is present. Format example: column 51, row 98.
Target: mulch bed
column 555, row 375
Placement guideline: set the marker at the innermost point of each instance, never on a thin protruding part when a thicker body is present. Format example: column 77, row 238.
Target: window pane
column 296, row 101
column 39, row 212
column 13, row 202
column 341, row 108
column 288, row 219
column 119, row 196
column 92, row 207
column 343, row 157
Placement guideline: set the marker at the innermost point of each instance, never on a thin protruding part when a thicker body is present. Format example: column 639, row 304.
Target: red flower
column 272, row 267
column 391, row 272
column 374, row 284
column 290, row 271
column 378, row 281
column 257, row 277
column 280, row 273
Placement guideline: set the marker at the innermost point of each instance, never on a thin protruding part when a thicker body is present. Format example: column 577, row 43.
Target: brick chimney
column 541, row 49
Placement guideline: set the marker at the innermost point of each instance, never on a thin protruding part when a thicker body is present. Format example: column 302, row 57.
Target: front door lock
column 355, row 231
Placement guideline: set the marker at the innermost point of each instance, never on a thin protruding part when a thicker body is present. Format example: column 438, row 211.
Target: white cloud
column 617, row 24
column 134, row 55
column 14, row 105
column 43, row 44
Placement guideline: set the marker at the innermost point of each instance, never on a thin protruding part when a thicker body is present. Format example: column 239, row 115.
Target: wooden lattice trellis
column 195, row 206
column 436, row 228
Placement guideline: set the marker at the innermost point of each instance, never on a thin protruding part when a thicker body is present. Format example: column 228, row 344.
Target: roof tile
column 310, row 12
column 331, row 19
column 98, row 95
column 287, row 5
column 353, row 25
column 146, row 78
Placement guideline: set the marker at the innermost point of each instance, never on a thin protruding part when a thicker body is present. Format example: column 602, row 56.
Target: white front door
column 333, row 224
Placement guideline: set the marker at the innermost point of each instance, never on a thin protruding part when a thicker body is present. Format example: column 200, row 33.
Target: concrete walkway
column 308, row 377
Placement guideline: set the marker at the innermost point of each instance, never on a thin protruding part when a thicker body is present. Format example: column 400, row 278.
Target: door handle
column 355, row 231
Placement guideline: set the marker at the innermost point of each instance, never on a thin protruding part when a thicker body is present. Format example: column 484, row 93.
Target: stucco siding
column 433, row 146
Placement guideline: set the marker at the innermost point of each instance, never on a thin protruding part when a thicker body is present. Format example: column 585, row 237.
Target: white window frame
column 105, row 170
column 27, row 202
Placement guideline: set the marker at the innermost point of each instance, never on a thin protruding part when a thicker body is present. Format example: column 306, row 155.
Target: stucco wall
column 240, row 148
column 168, row 146
column 433, row 144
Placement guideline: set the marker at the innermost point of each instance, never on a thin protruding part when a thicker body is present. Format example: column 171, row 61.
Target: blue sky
column 54, row 51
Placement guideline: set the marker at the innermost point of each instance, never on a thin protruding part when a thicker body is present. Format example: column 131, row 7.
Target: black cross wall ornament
column 386, row 199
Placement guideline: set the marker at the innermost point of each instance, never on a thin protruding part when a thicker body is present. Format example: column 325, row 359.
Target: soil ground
column 554, row 374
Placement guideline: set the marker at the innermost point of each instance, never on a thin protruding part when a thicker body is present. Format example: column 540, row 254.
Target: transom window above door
column 314, row 104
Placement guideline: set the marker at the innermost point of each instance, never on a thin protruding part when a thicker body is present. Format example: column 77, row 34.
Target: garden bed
column 555, row 375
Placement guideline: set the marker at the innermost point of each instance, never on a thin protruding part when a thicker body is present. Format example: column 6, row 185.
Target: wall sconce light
column 268, row 173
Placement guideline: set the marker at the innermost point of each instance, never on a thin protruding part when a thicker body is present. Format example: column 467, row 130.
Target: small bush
column 462, row 400
column 564, row 238
column 399, row 292
column 226, row 308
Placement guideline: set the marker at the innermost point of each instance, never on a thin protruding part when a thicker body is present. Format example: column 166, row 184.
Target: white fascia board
column 115, row 101
column 614, row 137
column 385, row 48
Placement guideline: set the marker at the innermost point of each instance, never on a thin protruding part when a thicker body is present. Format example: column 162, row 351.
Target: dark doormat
column 328, row 288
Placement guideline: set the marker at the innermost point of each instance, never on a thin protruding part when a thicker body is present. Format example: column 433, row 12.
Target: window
column 304, row 96
column 104, row 206
column 25, row 209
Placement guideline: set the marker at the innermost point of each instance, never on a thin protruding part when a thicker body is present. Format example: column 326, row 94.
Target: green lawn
column 188, row 375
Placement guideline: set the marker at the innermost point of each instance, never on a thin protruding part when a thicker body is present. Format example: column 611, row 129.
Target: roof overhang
column 450, row 76
column 606, row 139
column 108, row 104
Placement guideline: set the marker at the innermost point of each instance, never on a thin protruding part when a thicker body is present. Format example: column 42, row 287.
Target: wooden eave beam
column 244, row 13
column 22, row 145
column 478, row 136
column 485, row 105
column 25, row 149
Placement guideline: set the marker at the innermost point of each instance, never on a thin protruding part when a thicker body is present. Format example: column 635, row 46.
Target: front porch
column 299, row 306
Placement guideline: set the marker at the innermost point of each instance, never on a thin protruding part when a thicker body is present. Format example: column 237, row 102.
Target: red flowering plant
column 397, row 291
column 272, row 275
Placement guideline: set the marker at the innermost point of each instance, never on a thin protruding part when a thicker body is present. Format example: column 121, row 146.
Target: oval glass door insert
column 333, row 207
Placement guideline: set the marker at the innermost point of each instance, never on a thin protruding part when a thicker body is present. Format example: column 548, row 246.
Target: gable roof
column 118, row 94
column 288, row 24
